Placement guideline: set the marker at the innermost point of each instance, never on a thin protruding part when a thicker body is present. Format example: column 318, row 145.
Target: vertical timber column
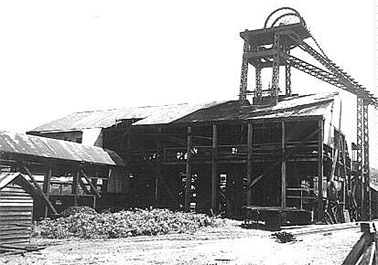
column 249, row 163
column 244, row 74
column 320, row 169
column 159, row 162
column 366, row 167
column 283, row 167
column 46, row 188
column 188, row 182
column 360, row 176
column 75, row 182
column 214, row 172
column 276, row 68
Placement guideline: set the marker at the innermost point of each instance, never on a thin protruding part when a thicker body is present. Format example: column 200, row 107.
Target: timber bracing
column 271, row 48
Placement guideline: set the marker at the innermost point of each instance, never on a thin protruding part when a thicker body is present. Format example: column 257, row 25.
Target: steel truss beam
column 276, row 68
column 244, row 74
column 349, row 83
column 287, row 75
column 314, row 71
column 363, row 167
column 366, row 165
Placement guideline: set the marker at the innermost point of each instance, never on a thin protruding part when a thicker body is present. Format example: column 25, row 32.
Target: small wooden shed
column 16, row 210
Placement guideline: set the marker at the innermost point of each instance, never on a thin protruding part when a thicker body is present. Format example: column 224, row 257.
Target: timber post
column 249, row 163
column 320, row 169
column 46, row 188
column 75, row 182
column 214, row 171
column 159, row 153
column 188, row 178
column 283, row 166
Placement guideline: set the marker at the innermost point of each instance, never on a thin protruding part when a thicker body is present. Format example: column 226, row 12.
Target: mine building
column 269, row 155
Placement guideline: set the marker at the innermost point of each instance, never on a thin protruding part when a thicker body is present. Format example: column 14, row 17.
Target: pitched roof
column 8, row 177
column 79, row 121
column 19, row 143
column 295, row 106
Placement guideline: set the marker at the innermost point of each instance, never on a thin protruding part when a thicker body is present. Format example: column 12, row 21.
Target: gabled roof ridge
column 147, row 106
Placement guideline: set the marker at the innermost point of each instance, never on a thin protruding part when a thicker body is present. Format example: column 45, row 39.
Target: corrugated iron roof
column 19, row 143
column 309, row 105
column 7, row 177
column 79, row 121
column 297, row 106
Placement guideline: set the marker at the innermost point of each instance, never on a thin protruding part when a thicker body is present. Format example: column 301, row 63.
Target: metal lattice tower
column 269, row 47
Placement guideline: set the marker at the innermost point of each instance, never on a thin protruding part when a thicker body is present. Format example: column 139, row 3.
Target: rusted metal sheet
column 19, row 143
column 16, row 208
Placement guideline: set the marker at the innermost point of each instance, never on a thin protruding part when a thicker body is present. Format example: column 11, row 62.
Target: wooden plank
column 188, row 170
column 368, row 256
column 214, row 171
column 40, row 191
column 358, row 249
column 249, row 163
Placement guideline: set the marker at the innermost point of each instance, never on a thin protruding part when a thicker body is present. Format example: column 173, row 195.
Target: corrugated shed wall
column 16, row 209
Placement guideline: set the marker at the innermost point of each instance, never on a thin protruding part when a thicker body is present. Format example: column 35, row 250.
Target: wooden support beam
column 46, row 188
column 75, row 183
column 320, row 169
column 83, row 186
column 40, row 191
column 345, row 181
column 249, row 163
column 93, row 188
column 214, row 172
column 159, row 151
column 283, row 167
column 188, row 170
column 287, row 156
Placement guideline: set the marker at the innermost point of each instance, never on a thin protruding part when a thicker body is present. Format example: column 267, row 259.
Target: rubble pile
column 124, row 224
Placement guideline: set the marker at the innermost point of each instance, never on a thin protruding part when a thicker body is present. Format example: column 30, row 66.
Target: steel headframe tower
column 270, row 47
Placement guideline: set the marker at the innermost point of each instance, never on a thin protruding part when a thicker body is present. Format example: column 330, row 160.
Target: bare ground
column 216, row 246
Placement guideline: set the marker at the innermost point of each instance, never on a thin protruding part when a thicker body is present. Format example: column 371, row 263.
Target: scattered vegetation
column 91, row 225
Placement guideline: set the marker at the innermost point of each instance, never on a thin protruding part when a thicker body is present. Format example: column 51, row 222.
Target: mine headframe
column 269, row 47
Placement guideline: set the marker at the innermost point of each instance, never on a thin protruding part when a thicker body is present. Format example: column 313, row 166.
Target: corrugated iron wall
column 16, row 209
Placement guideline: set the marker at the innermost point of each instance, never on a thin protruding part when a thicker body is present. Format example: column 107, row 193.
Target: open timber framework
column 280, row 157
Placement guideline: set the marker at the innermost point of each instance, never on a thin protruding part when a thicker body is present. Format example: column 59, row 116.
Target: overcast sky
column 57, row 57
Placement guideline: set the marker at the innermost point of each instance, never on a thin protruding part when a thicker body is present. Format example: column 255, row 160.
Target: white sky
column 57, row 57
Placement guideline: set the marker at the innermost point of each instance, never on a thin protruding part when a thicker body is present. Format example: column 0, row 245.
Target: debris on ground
column 78, row 209
column 89, row 225
column 284, row 237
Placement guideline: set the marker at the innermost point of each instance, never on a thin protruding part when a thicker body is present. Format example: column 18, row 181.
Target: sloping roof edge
column 18, row 143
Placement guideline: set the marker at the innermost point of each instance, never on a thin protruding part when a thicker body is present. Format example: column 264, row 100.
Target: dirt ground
column 212, row 246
